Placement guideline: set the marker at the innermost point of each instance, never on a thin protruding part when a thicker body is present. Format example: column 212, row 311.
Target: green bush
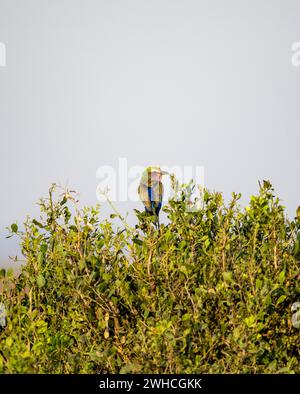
column 210, row 292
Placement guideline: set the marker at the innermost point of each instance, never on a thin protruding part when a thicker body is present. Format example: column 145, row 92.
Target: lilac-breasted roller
column 151, row 190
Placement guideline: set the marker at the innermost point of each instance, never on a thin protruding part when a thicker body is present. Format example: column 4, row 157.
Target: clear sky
column 189, row 82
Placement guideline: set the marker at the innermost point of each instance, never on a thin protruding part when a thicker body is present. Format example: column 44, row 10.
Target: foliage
column 210, row 292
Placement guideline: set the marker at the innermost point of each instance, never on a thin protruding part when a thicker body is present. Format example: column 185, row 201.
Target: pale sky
column 189, row 82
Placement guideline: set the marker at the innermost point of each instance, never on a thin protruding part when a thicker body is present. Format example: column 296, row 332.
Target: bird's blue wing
column 156, row 197
column 151, row 196
column 144, row 196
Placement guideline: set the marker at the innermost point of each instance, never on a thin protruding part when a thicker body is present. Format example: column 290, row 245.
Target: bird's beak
column 164, row 173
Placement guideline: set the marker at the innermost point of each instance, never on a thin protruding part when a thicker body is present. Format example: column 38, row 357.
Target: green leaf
column 40, row 225
column 137, row 241
column 186, row 316
column 63, row 201
column 281, row 277
column 9, row 273
column 250, row 321
column 258, row 283
column 268, row 300
column 298, row 213
column 281, row 299
column 40, row 280
column 182, row 245
column 228, row 276
column 273, row 365
column 44, row 248
column 14, row 227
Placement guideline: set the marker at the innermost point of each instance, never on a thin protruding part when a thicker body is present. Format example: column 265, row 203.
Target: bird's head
column 153, row 173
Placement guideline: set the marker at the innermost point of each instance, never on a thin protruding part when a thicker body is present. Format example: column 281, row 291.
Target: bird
column 151, row 190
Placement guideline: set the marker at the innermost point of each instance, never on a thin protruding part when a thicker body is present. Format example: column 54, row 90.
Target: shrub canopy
column 209, row 292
